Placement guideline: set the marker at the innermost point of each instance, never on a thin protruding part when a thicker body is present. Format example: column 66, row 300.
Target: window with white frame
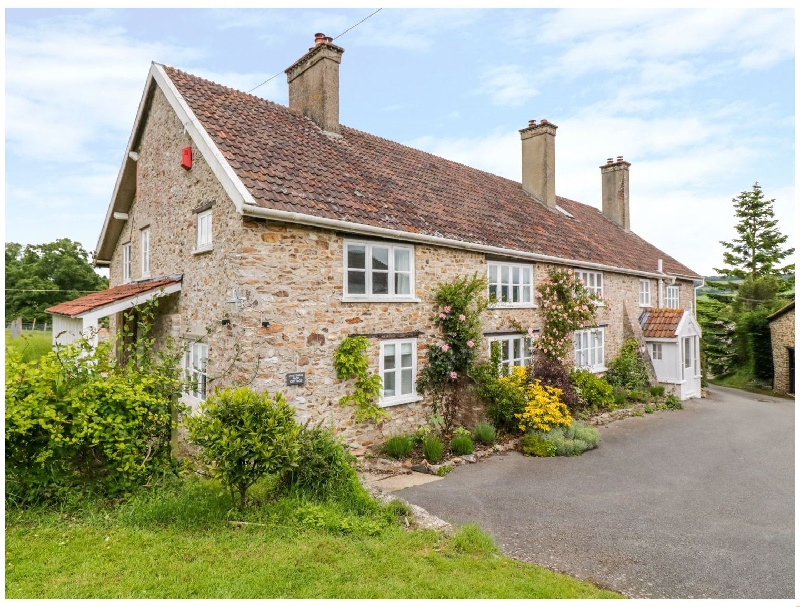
column 672, row 299
column 589, row 349
column 514, row 351
column 378, row 271
column 204, row 230
column 398, row 371
column 511, row 284
column 658, row 353
column 145, row 244
column 593, row 281
column 644, row 292
column 126, row 262
column 194, row 369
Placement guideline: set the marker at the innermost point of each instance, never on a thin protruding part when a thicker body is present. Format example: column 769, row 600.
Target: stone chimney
column 314, row 83
column 616, row 196
column 539, row 161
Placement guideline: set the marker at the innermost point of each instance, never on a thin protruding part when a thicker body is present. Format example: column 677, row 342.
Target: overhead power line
column 334, row 38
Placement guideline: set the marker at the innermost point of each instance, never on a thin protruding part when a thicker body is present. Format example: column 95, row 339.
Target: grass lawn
column 178, row 543
column 31, row 344
column 744, row 380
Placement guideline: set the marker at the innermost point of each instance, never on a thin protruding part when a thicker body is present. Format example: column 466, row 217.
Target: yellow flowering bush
column 545, row 409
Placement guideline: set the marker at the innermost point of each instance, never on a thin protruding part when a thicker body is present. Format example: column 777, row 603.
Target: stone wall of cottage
column 292, row 317
column 782, row 333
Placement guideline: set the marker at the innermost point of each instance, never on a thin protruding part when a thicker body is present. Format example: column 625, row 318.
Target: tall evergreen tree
column 757, row 251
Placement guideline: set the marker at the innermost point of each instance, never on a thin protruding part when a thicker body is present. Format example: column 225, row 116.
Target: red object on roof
column 661, row 322
column 90, row 302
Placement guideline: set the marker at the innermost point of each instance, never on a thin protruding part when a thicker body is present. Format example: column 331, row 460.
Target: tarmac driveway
column 696, row 503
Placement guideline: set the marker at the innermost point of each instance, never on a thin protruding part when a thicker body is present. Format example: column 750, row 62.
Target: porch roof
column 661, row 322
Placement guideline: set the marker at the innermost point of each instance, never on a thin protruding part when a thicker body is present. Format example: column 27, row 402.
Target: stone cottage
column 280, row 232
column 781, row 328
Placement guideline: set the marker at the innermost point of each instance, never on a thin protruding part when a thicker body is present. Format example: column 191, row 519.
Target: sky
column 700, row 102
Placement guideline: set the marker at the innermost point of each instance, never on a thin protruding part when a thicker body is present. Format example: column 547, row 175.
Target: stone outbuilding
column 781, row 328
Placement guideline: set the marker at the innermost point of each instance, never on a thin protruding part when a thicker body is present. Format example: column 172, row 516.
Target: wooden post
column 33, row 325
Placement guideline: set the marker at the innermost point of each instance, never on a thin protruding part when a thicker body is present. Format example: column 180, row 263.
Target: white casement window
column 378, row 271
column 194, row 369
column 126, row 262
column 644, row 293
column 145, row 244
column 514, row 351
column 204, row 230
column 398, row 371
column 658, row 353
column 672, row 299
column 589, row 349
column 511, row 284
column 593, row 281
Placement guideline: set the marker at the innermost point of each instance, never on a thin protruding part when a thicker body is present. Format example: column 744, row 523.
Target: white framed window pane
column 380, row 258
column 405, row 355
column 380, row 283
column 402, row 284
column 356, row 256
column 356, row 282
column 493, row 291
column 493, row 273
column 406, row 381
column 402, row 260
column 526, row 275
column 388, row 356
column 389, row 383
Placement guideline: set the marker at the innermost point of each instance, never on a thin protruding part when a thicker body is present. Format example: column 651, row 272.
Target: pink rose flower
column 453, row 375
column 470, row 343
column 442, row 316
column 530, row 330
column 445, row 348
column 462, row 318
column 447, row 309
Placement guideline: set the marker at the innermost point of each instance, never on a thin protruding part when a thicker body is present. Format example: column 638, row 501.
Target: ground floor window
column 589, row 349
column 657, row 352
column 194, row 367
column 398, row 371
column 514, row 351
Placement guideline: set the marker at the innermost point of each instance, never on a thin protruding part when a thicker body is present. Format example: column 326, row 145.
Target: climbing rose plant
column 450, row 361
column 565, row 306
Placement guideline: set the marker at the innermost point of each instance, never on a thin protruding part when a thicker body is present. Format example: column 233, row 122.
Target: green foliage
column 536, row 445
column 462, row 431
column 504, row 401
column 673, row 402
column 565, row 305
column 444, row 470
column 620, row 396
column 471, row 539
column 432, row 449
column 79, row 421
column 450, row 363
column 544, row 408
column 31, row 345
column 637, row 396
column 244, row 436
column 485, row 434
column 461, row 445
column 595, row 391
column 657, row 391
column 628, row 369
column 41, row 276
column 758, row 248
column 351, row 363
column 325, row 468
column 399, row 446
column 553, row 373
column 753, row 333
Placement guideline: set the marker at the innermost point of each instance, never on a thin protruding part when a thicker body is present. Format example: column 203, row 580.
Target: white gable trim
column 690, row 324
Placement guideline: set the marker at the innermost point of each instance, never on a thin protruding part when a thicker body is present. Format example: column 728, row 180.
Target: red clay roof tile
column 90, row 302
column 661, row 322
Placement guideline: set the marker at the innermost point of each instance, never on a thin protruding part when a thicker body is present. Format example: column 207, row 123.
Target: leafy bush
column 244, row 436
column 351, row 363
column 657, row 391
column 552, row 373
column 504, row 400
column 461, row 431
column 324, row 465
column 629, row 369
column 620, row 396
column 485, row 434
column 444, row 470
column 566, row 441
column 461, row 445
column 537, row 445
column 432, row 449
column 78, row 421
column 595, row 391
column 398, row 446
column 637, row 396
column 544, row 408
column 673, row 402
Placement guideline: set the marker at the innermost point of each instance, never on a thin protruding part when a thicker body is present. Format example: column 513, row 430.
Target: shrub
column 244, row 436
column 399, row 446
column 324, row 465
column 485, row 434
column 544, row 408
column 620, row 396
column 444, row 470
column 461, row 445
column 552, row 373
column 537, row 445
column 656, row 391
column 462, row 431
column 673, row 402
column 629, row 369
column 637, row 396
column 572, row 440
column 351, row 363
column 432, row 449
column 595, row 391
column 504, row 400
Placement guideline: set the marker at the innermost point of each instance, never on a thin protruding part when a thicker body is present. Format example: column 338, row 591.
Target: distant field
column 31, row 344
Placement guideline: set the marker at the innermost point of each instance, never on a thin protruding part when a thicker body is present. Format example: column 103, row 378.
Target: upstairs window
column 672, row 299
column 511, row 284
column 593, row 281
column 644, row 293
column 204, row 230
column 126, row 262
column 590, row 349
column 145, row 243
column 378, row 271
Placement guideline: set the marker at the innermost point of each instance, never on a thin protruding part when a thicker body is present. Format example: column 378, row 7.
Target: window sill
column 399, row 400
column 352, row 299
column 602, row 369
column 202, row 250
column 641, row 305
column 512, row 306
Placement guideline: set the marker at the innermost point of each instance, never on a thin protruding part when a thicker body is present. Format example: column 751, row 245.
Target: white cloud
column 507, row 85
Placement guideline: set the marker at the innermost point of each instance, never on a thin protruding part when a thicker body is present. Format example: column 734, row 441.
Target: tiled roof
column 289, row 164
column 87, row 303
column 661, row 322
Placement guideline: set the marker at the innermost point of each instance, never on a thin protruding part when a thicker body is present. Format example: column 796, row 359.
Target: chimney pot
column 610, row 161
column 619, row 158
column 531, row 123
column 318, row 38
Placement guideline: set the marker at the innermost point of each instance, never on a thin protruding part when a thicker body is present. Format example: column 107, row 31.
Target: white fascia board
column 129, row 302
column 336, row 224
column 223, row 171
